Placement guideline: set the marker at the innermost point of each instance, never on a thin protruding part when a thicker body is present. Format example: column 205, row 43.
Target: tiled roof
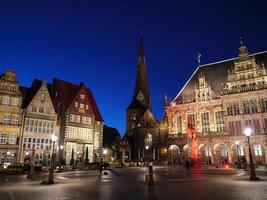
column 96, row 111
column 67, row 93
column 215, row 74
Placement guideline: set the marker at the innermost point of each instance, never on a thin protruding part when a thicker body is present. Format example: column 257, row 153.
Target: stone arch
column 221, row 153
column 174, row 154
column 205, row 153
column 258, row 152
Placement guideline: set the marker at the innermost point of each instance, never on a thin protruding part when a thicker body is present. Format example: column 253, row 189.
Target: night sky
column 97, row 42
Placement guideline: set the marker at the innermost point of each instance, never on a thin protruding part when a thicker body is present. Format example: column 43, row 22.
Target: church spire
column 142, row 92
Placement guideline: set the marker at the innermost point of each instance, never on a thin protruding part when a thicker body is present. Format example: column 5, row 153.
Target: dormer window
column 76, row 104
column 87, row 107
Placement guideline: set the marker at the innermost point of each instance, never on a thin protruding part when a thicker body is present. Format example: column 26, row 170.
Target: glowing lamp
column 248, row 132
column 54, row 138
column 61, row 147
column 237, row 142
column 105, row 151
column 147, row 147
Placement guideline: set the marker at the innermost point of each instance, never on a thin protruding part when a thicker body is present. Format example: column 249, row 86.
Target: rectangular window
column 254, row 125
column 41, row 109
column 3, row 138
column 76, row 104
column 233, row 108
column 264, row 105
column 72, row 118
column 191, row 120
column 6, row 100
column 257, row 150
column 219, row 121
column 34, row 109
column 14, row 101
column 208, row 152
column 12, row 138
column 6, row 118
column 77, row 118
column 83, row 120
column 15, row 120
column 250, row 106
column 87, row 106
column 205, row 122
column 179, row 124
column 235, row 127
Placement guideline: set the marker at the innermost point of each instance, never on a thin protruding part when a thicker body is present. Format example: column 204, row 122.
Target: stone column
column 154, row 154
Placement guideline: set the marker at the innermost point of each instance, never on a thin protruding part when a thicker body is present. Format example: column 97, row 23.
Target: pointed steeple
column 142, row 92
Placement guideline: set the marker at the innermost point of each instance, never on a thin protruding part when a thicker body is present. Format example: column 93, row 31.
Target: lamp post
column 61, row 147
column 52, row 161
column 105, row 152
column 237, row 154
column 248, row 132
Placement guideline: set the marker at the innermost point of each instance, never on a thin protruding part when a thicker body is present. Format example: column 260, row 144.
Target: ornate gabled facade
column 222, row 99
column 80, row 122
column 39, row 123
column 144, row 133
column 10, row 116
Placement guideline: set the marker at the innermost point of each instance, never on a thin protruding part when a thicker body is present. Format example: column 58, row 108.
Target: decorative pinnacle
column 198, row 58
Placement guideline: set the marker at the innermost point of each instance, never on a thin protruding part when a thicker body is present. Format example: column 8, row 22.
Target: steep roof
column 96, row 111
column 141, row 83
column 215, row 74
column 67, row 93
column 29, row 93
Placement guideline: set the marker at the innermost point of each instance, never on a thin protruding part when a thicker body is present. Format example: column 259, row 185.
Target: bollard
column 150, row 176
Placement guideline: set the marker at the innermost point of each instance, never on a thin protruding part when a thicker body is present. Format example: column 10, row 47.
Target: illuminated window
column 72, row 118
column 148, row 140
column 5, row 100
column 219, row 121
column 208, row 151
column 240, row 150
column 6, row 118
column 15, row 120
column 3, row 138
column 76, row 104
column 205, row 122
column 179, row 124
column 14, row 101
column 257, row 150
column 223, row 152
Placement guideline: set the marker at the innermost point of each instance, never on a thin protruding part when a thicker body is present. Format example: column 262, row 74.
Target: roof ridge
column 221, row 61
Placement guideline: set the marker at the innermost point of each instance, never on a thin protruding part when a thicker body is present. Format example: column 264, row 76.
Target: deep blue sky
column 97, row 42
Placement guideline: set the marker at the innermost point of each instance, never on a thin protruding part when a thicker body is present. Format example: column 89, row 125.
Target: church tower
column 141, row 101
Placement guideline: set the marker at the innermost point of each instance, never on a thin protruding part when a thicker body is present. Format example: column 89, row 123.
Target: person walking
column 187, row 167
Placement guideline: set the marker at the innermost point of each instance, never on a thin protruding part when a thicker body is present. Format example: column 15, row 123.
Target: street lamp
column 237, row 154
column 51, row 169
column 61, row 147
column 248, row 132
column 105, row 152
